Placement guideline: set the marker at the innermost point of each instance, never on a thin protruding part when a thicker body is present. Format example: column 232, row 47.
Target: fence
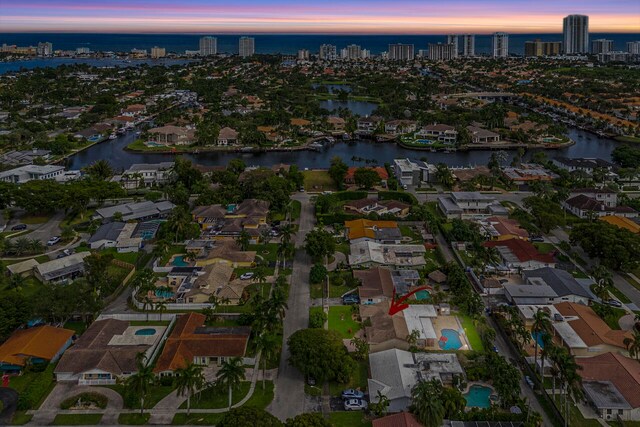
column 159, row 345
column 123, row 284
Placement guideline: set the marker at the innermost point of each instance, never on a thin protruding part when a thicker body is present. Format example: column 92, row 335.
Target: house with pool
column 33, row 346
column 395, row 372
column 228, row 252
column 107, row 351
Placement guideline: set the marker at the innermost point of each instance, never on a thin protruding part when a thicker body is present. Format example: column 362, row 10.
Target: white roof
column 390, row 375
column 418, row 317
column 569, row 335
column 58, row 264
column 387, row 254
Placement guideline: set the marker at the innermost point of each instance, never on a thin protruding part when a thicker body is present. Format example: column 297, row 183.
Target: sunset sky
column 320, row 16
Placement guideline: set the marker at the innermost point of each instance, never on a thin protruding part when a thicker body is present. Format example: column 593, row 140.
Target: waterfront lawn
column 76, row 419
column 133, row 419
column 349, row 419
column 318, row 180
column 341, row 321
column 471, row 332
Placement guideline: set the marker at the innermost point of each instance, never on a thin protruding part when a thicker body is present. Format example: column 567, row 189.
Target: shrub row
column 97, row 399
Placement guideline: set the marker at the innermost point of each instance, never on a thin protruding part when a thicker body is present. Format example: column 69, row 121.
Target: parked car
column 53, row 241
column 351, row 299
column 19, row 227
column 302, row 189
column 246, row 276
column 529, row 381
column 538, row 239
column 352, row 394
column 613, row 303
column 311, row 380
column 355, row 405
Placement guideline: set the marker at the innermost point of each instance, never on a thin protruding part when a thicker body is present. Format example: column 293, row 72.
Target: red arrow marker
column 399, row 305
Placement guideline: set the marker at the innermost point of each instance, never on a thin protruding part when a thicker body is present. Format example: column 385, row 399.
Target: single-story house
column 350, row 178
column 376, row 285
column 567, row 287
column 191, row 341
column 392, row 255
column 136, row 211
column 400, row 419
column 172, row 135
column 503, row 228
column 385, row 331
column 227, row 136
column 23, row 268
column 61, row 269
column 404, row 280
column 227, row 251
column 212, row 279
column 33, row 346
column 482, row 136
column 107, row 351
column 366, row 230
column 518, row 254
column 380, row 207
column 419, row 318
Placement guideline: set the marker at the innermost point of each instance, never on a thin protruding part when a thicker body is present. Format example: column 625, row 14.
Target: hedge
column 398, row 195
column 97, row 399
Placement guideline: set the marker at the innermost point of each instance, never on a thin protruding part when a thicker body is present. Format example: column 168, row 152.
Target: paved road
column 9, row 399
column 289, row 399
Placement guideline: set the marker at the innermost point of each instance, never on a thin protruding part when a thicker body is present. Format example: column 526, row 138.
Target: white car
column 54, row 240
column 355, row 405
column 246, row 276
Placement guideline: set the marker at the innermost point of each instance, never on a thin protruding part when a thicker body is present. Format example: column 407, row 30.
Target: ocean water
column 272, row 43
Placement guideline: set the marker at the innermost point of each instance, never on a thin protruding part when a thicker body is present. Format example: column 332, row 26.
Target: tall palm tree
column 243, row 240
column 160, row 249
column 161, row 307
column 278, row 302
column 286, row 232
column 231, row 374
column 541, row 326
column 147, row 303
column 633, row 344
column 189, row 380
column 426, row 403
column 268, row 346
column 141, row 381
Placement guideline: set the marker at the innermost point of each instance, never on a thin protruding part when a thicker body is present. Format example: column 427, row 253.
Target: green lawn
column 13, row 233
column 408, row 231
column 576, row 418
column 197, row 419
column 136, row 419
column 155, row 395
column 261, row 398
column 34, row 219
column 296, row 208
column 268, row 252
column 217, row 397
column 340, row 320
column 130, row 257
column 78, row 327
column 349, row 419
column 20, row 418
column 40, row 382
column 173, row 250
column 76, row 419
column 358, row 380
column 30, row 289
column 544, row 247
column 318, row 180
column 622, row 297
column 472, row 333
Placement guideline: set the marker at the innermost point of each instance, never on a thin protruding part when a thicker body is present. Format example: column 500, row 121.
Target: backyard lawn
column 544, row 247
column 408, row 231
column 30, row 289
column 358, row 380
column 340, row 320
column 318, row 180
column 471, row 332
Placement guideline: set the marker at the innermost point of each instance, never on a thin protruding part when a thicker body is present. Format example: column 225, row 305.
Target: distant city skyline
column 327, row 17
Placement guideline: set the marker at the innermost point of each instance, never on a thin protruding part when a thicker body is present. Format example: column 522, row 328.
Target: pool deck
column 129, row 336
column 449, row 322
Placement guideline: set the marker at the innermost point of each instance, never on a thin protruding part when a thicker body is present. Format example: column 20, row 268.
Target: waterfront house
column 400, row 127
column 482, row 136
column 351, row 173
column 141, row 175
column 442, row 133
column 33, row 346
column 27, row 173
column 172, row 135
column 368, row 125
column 227, row 136
column 336, row 124
column 191, row 341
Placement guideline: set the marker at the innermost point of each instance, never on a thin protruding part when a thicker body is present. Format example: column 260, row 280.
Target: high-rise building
column 246, row 47
column 353, row 51
column 500, row 45
column 328, row 52
column 575, row 29
column 303, row 55
column 401, row 52
column 208, row 46
column 453, row 39
column 82, row 50
column 468, row 45
column 601, row 46
column 633, row 48
column 442, row 52
column 158, row 52
column 44, row 49
column 540, row 48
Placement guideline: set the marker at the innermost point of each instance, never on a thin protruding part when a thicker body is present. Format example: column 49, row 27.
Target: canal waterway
column 587, row 145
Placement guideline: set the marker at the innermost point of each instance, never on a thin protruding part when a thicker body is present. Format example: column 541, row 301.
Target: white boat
column 113, row 136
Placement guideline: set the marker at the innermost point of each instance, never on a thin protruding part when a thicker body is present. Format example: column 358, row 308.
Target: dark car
column 538, row 239
column 19, row 227
column 351, row 299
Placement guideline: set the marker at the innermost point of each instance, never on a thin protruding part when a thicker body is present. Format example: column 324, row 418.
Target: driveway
column 43, row 232
column 289, row 399
column 9, row 398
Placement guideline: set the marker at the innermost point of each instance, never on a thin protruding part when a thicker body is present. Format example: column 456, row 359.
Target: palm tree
column 286, row 231
column 426, row 403
column 633, row 344
column 35, row 246
column 147, row 303
column 278, row 302
column 231, row 374
column 541, row 325
column 189, row 380
column 141, row 381
column 453, row 401
column 160, row 249
column 260, row 276
column 161, row 307
column 268, row 346
column 16, row 282
column 444, row 175
column 380, row 407
column 21, row 246
column 100, row 170
column 243, row 240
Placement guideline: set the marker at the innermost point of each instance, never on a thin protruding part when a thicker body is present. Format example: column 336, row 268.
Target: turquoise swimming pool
column 424, row 141
column 146, row 331
column 163, row 293
column 179, row 262
column 450, row 340
column 422, row 295
column 478, row 396
column 539, row 337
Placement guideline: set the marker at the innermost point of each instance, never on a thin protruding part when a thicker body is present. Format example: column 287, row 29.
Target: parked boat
column 113, row 136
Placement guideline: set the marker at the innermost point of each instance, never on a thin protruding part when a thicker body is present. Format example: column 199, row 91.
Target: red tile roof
column 382, row 173
column 401, row 419
column 523, row 250
column 622, row 371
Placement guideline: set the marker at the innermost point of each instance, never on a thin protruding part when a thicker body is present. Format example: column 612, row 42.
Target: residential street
column 289, row 397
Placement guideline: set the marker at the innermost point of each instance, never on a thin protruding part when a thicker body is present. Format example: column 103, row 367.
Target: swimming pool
column 163, row 293
column 450, row 340
column 539, row 336
column 179, row 261
column 422, row 295
column 478, row 396
column 146, row 331
column 424, row 141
